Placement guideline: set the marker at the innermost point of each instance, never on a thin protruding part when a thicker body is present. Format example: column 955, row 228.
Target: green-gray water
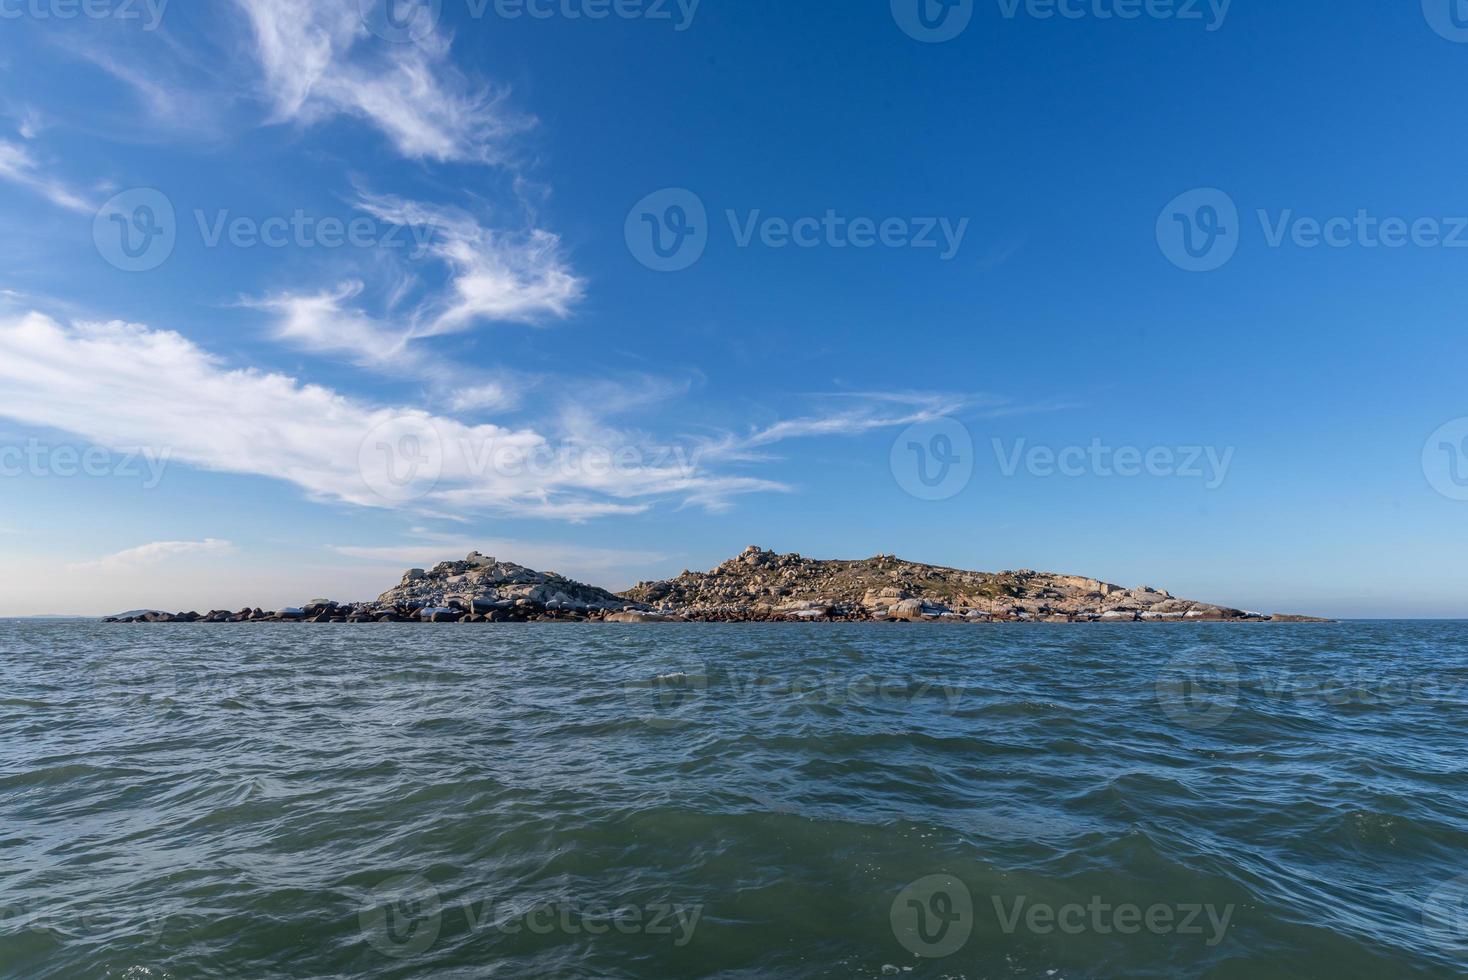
column 733, row 801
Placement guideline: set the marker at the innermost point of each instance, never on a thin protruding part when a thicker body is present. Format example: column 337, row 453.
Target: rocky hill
column 762, row 584
column 490, row 583
column 756, row 586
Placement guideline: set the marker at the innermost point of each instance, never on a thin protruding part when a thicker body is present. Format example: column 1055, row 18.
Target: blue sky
column 901, row 257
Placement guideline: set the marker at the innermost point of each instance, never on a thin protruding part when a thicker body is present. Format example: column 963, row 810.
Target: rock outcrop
column 483, row 584
column 760, row 584
column 756, row 586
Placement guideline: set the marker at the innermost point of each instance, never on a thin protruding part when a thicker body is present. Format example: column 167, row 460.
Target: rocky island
column 755, row 586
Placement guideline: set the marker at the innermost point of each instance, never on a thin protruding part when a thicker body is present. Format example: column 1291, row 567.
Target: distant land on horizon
column 757, row 585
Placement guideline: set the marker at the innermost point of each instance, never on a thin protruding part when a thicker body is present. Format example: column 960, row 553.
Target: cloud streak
column 19, row 167
column 155, row 553
column 492, row 277
column 318, row 60
column 155, row 388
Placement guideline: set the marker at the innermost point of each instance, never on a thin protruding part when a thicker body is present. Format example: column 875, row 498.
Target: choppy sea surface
column 262, row 800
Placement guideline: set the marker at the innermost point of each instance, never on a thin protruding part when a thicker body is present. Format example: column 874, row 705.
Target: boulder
column 484, row 602
column 908, row 609
column 636, row 616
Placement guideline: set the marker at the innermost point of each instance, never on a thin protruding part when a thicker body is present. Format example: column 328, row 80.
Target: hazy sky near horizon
column 294, row 296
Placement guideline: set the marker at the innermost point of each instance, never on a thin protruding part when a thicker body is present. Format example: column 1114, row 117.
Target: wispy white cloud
column 855, row 413
column 329, row 321
column 30, row 124
column 155, row 553
column 155, row 388
column 847, row 414
column 318, row 60
column 18, row 166
column 493, row 277
column 482, row 397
